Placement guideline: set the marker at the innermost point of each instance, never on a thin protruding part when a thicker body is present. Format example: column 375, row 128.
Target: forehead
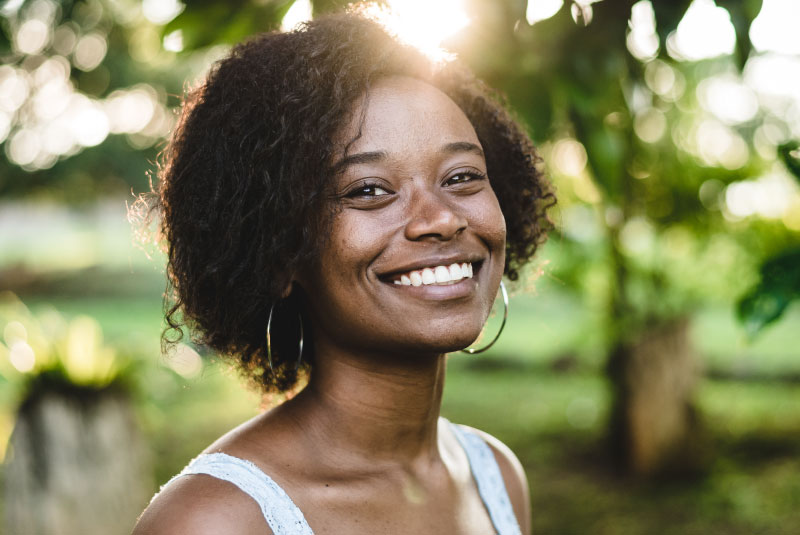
column 399, row 114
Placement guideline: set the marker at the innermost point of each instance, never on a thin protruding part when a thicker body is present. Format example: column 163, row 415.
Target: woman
column 340, row 210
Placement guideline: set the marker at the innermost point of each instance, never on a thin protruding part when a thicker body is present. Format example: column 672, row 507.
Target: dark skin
column 361, row 450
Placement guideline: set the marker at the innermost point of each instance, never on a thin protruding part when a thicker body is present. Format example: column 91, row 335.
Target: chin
column 448, row 342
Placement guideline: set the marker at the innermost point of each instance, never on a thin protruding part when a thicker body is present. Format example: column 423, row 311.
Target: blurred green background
column 649, row 375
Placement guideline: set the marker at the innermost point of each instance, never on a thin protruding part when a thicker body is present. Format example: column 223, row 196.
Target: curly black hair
column 244, row 183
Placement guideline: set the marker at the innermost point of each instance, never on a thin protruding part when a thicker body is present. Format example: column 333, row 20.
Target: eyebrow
column 360, row 158
column 462, row 146
column 377, row 156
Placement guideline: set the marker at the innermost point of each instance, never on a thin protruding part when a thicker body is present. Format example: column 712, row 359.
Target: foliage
column 780, row 284
column 780, row 274
column 50, row 350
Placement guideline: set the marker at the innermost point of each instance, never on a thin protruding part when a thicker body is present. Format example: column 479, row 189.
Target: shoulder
column 201, row 505
column 514, row 477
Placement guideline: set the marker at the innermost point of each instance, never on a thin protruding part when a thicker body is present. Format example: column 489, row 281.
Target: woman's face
column 414, row 200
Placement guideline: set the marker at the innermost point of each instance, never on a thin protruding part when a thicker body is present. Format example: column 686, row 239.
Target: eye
column 463, row 177
column 366, row 190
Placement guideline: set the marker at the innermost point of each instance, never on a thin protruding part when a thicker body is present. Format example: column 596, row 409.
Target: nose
column 431, row 216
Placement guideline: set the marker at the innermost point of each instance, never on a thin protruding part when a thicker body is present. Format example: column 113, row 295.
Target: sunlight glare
column 775, row 27
column 539, row 10
column 422, row 24
column 705, row 31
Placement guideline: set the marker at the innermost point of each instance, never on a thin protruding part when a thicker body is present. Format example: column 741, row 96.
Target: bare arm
column 201, row 505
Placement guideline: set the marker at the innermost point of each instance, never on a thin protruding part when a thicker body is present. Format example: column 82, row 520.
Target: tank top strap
column 280, row 512
column 489, row 480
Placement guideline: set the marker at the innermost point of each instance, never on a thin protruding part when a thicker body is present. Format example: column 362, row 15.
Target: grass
column 751, row 486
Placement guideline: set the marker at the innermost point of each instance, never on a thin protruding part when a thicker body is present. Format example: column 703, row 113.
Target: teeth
column 442, row 274
column 436, row 275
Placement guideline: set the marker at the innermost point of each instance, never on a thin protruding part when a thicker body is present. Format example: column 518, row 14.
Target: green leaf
column 204, row 23
column 779, row 286
column 789, row 153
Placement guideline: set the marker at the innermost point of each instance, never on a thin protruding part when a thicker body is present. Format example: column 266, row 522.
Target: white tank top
column 285, row 518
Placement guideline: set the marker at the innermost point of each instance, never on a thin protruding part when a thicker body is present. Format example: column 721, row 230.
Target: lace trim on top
column 282, row 515
column 490, row 482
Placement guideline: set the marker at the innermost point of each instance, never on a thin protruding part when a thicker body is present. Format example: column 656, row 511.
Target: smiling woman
column 339, row 211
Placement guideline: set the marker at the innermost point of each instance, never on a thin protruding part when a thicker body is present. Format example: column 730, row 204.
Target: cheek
column 351, row 245
column 488, row 219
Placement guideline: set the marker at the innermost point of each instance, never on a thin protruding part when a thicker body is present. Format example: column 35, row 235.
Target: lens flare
column 422, row 24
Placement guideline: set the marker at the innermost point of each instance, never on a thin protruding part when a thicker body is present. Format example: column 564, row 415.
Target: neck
column 373, row 407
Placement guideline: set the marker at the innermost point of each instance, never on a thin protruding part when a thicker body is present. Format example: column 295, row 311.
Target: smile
column 435, row 275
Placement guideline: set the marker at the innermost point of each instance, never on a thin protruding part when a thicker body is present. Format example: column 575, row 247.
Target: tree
column 574, row 77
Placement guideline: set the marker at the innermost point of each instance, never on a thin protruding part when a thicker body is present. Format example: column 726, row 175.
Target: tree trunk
column 75, row 465
column 654, row 425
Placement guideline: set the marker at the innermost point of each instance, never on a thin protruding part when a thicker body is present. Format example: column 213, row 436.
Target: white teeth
column 436, row 275
column 442, row 274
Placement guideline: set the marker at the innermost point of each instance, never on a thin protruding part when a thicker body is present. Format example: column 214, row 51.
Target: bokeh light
column 22, row 356
column 161, row 11
column 90, row 51
column 569, row 156
column 538, row 10
column 32, row 36
column 730, row 100
column 650, row 124
column 185, row 361
column 705, row 31
column 642, row 39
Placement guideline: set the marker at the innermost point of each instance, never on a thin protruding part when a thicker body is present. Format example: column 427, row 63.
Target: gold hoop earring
column 473, row 351
column 269, row 341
